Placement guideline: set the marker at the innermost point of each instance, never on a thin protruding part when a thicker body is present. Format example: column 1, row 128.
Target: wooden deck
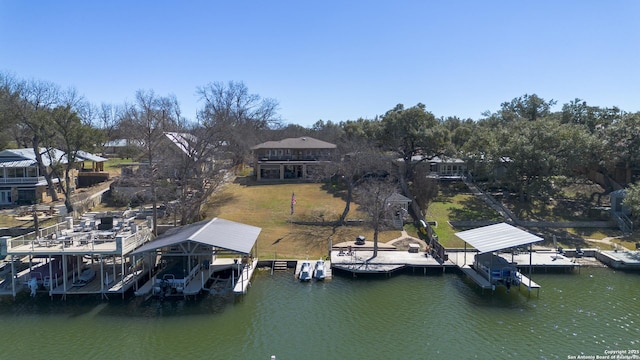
column 196, row 283
column 362, row 261
column 476, row 277
column 244, row 280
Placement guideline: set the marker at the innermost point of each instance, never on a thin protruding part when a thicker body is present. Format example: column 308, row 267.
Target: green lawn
column 112, row 165
column 269, row 207
column 458, row 207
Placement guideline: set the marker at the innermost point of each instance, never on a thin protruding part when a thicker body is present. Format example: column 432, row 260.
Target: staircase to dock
column 624, row 223
column 279, row 266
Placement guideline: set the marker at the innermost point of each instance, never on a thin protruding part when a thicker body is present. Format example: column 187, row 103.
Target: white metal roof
column 216, row 232
column 83, row 155
column 26, row 157
column 496, row 237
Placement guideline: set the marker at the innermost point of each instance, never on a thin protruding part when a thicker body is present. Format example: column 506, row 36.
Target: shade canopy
column 496, row 237
column 219, row 233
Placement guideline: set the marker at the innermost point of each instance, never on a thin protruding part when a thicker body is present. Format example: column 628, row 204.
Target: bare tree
column 424, row 189
column 72, row 134
column 372, row 197
column 356, row 162
column 146, row 122
column 8, row 98
column 107, row 120
column 200, row 172
column 29, row 103
column 237, row 115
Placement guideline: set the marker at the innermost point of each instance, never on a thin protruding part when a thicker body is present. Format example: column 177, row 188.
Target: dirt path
column 606, row 241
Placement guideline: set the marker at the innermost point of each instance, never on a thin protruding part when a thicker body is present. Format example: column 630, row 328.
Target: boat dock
column 476, row 277
column 540, row 259
column 620, row 259
column 195, row 284
column 362, row 261
column 244, row 280
column 52, row 259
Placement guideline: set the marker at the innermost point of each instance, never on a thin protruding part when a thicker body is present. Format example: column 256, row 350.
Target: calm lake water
column 590, row 312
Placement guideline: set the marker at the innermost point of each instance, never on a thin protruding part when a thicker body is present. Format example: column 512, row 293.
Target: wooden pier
column 359, row 261
column 244, row 280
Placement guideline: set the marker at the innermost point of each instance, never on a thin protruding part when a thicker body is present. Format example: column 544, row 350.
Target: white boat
column 85, row 277
column 305, row 271
column 320, row 270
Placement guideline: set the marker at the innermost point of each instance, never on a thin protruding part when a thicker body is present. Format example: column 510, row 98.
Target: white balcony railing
column 21, row 180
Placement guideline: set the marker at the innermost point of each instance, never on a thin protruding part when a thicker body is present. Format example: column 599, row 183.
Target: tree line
column 529, row 143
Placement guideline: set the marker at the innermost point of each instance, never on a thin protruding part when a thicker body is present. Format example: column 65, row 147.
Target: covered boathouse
column 208, row 256
column 487, row 268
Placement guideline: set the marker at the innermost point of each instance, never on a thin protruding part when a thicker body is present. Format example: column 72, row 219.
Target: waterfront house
column 441, row 167
column 21, row 180
column 447, row 167
column 176, row 158
column 291, row 159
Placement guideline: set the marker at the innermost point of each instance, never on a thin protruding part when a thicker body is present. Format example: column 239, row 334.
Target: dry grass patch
column 269, row 207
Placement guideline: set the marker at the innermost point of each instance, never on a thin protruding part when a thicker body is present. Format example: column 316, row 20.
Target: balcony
column 295, row 158
column 21, row 180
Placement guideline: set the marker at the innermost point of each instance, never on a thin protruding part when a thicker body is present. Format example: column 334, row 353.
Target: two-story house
column 21, row 181
column 292, row 159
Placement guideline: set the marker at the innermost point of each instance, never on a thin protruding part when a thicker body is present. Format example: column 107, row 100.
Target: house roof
column 117, row 143
column 83, row 155
column 26, row 157
column 17, row 163
column 496, row 237
column 296, row 143
column 396, row 197
column 182, row 141
column 216, row 232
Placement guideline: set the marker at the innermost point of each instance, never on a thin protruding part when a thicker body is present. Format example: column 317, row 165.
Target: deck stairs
column 624, row 223
column 279, row 266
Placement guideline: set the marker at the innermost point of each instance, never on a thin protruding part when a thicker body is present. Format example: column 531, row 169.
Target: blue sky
column 332, row 60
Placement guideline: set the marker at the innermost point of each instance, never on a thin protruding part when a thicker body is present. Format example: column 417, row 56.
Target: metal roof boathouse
column 207, row 256
column 489, row 269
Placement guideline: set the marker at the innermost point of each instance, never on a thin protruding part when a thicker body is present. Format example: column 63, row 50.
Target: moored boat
column 305, row 271
column 320, row 270
column 85, row 277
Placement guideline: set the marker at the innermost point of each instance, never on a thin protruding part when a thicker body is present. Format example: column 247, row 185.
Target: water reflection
column 405, row 316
